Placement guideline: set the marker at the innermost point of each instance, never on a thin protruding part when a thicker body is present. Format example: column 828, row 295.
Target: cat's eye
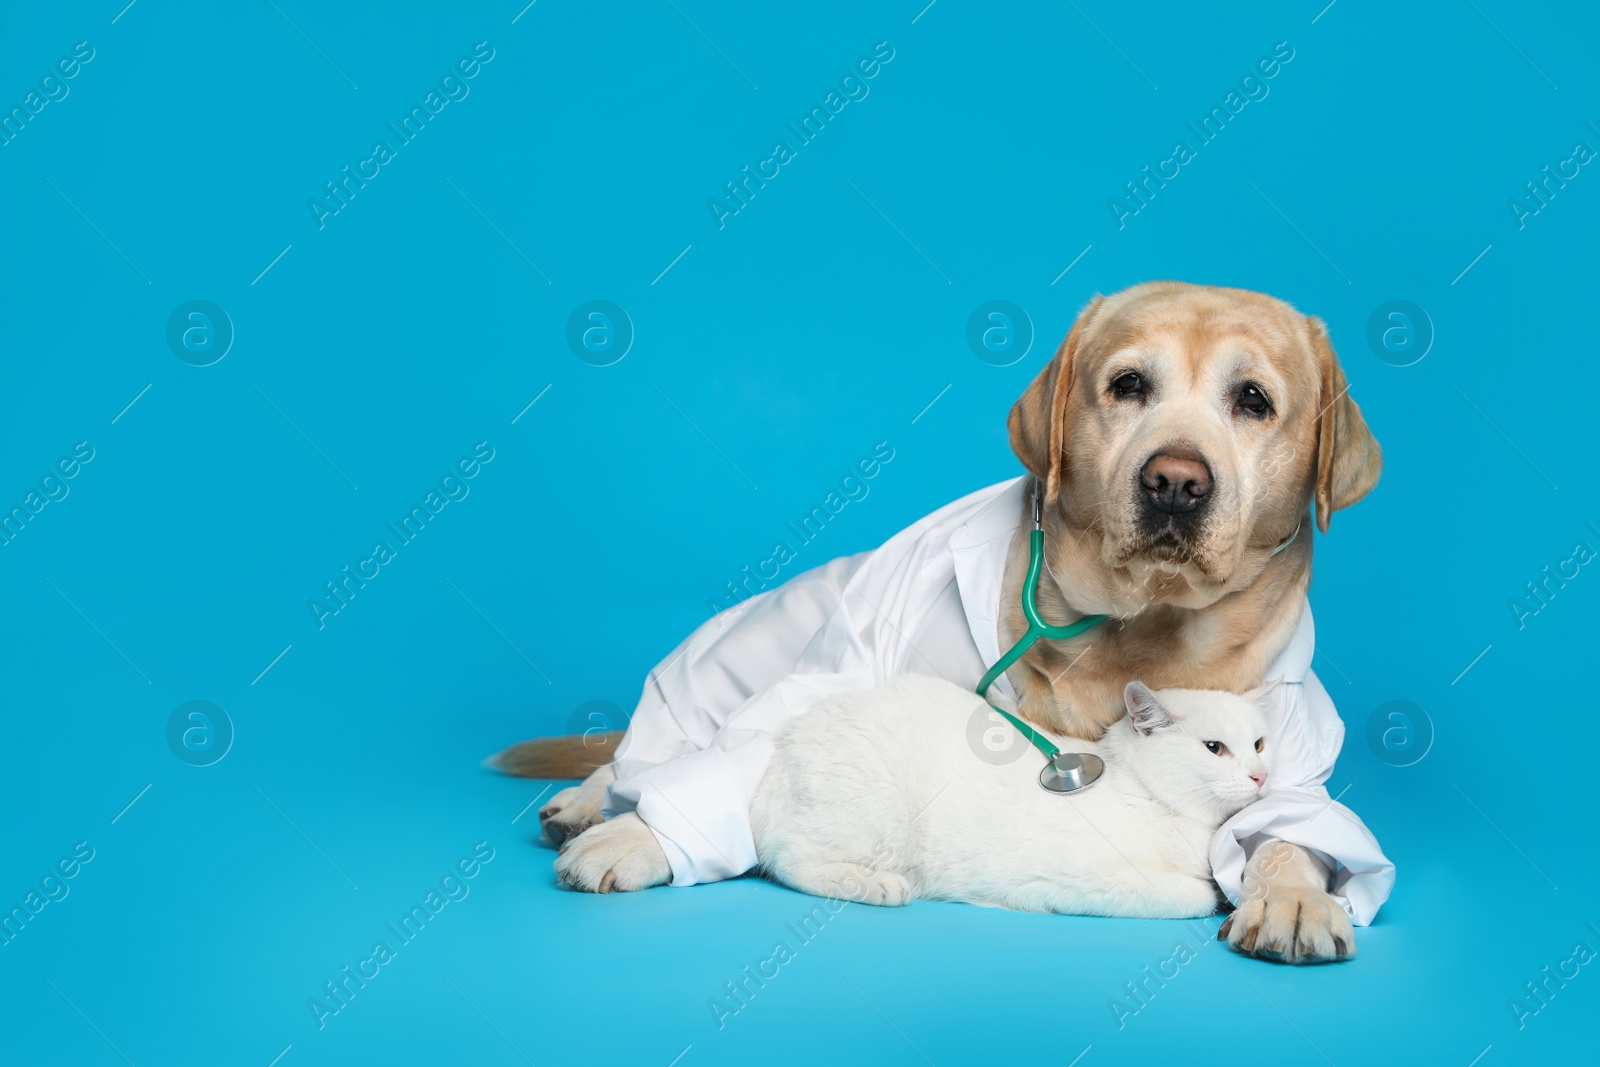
column 1260, row 744
column 1217, row 748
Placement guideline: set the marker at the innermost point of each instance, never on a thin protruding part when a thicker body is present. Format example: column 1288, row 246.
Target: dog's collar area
column 1291, row 538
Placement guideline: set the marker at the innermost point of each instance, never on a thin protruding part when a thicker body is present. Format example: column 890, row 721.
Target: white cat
column 880, row 797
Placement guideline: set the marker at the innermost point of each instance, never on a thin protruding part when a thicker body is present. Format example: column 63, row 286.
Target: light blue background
column 774, row 353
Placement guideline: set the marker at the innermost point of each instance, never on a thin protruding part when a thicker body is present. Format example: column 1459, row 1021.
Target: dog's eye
column 1253, row 401
column 1126, row 386
column 1216, row 748
column 1260, row 744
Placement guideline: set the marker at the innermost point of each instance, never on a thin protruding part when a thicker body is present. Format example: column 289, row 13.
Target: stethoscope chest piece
column 1070, row 772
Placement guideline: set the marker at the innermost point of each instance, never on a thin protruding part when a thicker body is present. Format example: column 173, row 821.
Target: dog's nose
column 1176, row 482
column 1259, row 778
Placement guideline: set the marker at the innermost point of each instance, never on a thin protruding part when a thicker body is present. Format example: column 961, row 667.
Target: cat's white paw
column 572, row 811
column 618, row 856
column 1290, row 924
column 886, row 890
column 849, row 881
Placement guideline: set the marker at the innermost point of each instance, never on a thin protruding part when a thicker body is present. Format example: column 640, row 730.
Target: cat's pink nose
column 1259, row 778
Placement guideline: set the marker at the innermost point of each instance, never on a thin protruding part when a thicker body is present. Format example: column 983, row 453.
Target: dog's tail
column 572, row 756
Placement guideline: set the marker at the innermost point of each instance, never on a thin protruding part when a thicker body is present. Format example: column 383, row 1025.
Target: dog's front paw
column 616, row 856
column 570, row 812
column 1290, row 924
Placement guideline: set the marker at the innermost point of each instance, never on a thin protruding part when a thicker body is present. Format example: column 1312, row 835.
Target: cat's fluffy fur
column 883, row 797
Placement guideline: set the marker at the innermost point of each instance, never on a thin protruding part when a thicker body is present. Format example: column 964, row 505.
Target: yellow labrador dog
column 1180, row 435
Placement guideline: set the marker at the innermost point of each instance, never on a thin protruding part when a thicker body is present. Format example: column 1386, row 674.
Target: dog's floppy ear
column 1348, row 457
column 1038, row 421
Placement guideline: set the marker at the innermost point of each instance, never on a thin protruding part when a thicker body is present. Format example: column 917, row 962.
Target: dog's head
column 1183, row 429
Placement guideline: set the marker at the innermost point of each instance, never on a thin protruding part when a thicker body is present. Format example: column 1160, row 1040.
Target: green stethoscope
column 1064, row 772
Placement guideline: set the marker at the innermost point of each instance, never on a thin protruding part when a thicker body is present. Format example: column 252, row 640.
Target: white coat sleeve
column 701, row 735
column 1307, row 735
column 689, row 696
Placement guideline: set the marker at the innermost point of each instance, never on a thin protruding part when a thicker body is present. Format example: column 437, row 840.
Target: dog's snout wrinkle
column 1176, row 481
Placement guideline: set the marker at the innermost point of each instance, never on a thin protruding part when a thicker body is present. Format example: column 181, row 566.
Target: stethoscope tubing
column 1038, row 627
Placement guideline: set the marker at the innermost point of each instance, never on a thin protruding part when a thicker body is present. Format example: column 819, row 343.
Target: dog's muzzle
column 1174, row 488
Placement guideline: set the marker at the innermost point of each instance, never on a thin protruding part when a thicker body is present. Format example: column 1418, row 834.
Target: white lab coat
column 923, row 603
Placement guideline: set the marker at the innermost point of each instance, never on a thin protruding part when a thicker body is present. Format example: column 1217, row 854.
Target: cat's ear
column 1144, row 710
column 1265, row 695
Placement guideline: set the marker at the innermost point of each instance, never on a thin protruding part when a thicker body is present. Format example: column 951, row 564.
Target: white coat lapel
column 979, row 549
